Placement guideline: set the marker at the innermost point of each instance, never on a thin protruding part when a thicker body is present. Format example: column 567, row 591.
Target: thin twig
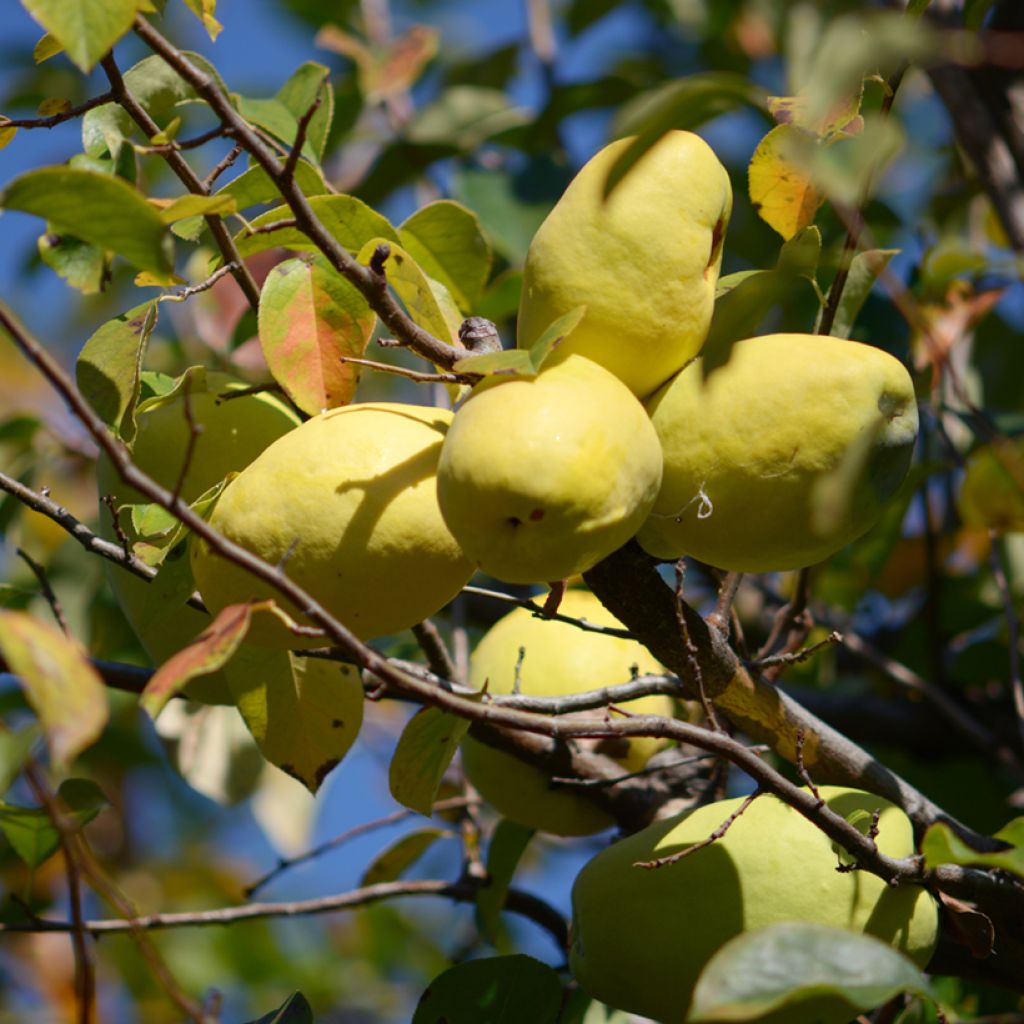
column 55, row 119
column 721, row 617
column 538, row 611
column 186, row 175
column 1012, row 626
column 801, row 768
column 286, row 864
column 433, row 646
column 415, row 375
column 85, row 972
column 203, row 286
column 674, row 858
column 222, row 165
column 691, row 648
column 110, row 502
column 795, row 657
column 162, row 148
column 274, row 225
column 194, row 430
column 44, row 585
column 288, row 173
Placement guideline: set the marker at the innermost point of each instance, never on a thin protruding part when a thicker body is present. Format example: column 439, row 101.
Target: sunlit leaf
column 508, row 844
column 299, row 93
column 82, row 265
column 787, row 964
column 97, row 208
column 304, row 713
column 782, row 193
column 865, row 269
column 392, row 862
column 85, row 31
column 514, row 362
column 425, row 749
column 348, row 219
column 47, row 47
column 941, row 845
column 445, row 239
column 60, row 684
column 31, row 831
column 255, row 186
column 205, row 10
column 109, row 367
column 309, row 318
column 197, row 206
column 498, row 990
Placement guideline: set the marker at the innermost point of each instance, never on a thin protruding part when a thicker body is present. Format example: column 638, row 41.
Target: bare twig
column 415, row 375
column 721, row 617
column 44, row 585
column 1012, row 626
column 162, row 148
column 433, row 646
column 691, row 648
column 194, row 430
column 538, row 611
column 186, row 175
column 274, row 225
column 55, row 119
column 674, row 858
column 453, row 804
column 222, row 165
column 110, row 503
column 288, row 172
column 801, row 768
column 203, row 286
column 271, row 387
column 795, row 657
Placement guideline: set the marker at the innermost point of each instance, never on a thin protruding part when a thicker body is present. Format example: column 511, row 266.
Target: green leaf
column 498, row 990
column 273, row 116
column 865, row 269
column 87, row 31
column 109, row 368
column 941, row 845
column 789, row 963
column 309, row 318
column 508, row 844
column 465, row 116
column 31, row 832
column 445, row 239
column 392, row 862
column 800, row 255
column 299, row 93
column 684, row 104
column 255, row 185
column 46, row 48
column 554, row 334
column 191, row 205
column 514, row 362
column 60, row 684
column 304, row 713
column 294, row 1010
column 82, row 265
column 204, row 10
column 14, row 750
column 97, row 208
column 348, row 219
column 427, row 301
column 425, row 749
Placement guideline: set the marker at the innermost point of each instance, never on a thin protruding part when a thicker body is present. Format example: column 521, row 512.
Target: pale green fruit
column 559, row 659
column 641, row 937
column 348, row 501
column 541, row 478
column 232, row 434
column 644, row 262
column 783, row 455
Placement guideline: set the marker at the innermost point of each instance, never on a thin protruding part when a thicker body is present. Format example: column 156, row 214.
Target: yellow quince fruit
column 644, row 261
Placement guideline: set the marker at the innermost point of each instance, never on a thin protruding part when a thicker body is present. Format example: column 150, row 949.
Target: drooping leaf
column 425, row 749
column 299, row 93
column 427, row 301
column 31, row 831
column 82, row 265
column 445, row 239
column 781, row 190
column 392, row 862
column 497, row 990
column 941, row 845
column 205, row 10
column 304, row 713
column 464, row 116
column 96, row 208
column 294, row 1010
column 60, row 684
column 508, row 844
column 210, row 651
column 786, row 964
column 348, row 219
column 685, row 104
column 109, row 368
column 309, row 318
column 85, row 31
column 865, row 269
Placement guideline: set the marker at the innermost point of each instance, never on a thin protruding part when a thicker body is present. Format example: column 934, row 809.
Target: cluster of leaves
column 919, row 586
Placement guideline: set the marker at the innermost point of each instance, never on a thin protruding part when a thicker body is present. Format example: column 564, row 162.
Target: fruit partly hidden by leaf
column 232, row 433
column 540, row 478
column 559, row 659
column 642, row 936
column 644, row 261
column 348, row 503
column 992, row 494
column 782, row 456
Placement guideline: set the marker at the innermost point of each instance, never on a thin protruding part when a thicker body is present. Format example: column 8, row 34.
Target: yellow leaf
column 46, row 48
column 6, row 134
column 780, row 190
column 54, row 105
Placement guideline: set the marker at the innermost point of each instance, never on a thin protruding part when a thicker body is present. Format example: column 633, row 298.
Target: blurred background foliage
column 497, row 104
